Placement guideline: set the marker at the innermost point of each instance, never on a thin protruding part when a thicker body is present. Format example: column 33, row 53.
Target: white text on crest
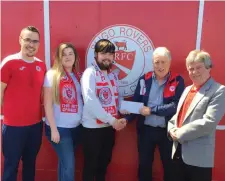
column 123, row 31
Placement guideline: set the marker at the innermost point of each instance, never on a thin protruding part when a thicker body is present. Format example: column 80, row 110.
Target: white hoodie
column 93, row 108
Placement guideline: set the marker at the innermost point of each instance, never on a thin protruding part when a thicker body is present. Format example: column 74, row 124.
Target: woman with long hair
column 63, row 108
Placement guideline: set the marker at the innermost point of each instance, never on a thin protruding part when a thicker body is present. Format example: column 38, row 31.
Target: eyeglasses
column 28, row 40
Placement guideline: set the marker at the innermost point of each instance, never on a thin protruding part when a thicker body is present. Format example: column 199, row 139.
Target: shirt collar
column 196, row 89
column 165, row 78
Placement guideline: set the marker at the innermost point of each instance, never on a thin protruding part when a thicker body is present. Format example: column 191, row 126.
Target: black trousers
column 184, row 172
column 97, row 148
column 148, row 138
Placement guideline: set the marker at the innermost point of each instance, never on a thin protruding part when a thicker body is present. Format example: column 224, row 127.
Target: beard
column 103, row 66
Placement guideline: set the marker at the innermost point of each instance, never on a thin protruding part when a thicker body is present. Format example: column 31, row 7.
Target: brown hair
column 31, row 28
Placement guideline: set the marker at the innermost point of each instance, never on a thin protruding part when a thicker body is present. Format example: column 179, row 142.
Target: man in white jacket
column 100, row 113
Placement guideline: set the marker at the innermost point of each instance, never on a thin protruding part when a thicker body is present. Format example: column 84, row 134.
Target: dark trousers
column 184, row 172
column 97, row 148
column 20, row 143
column 148, row 138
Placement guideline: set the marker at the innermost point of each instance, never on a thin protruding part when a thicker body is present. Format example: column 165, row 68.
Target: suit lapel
column 199, row 95
column 183, row 97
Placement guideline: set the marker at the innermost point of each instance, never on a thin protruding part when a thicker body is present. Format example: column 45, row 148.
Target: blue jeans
column 20, row 142
column 65, row 150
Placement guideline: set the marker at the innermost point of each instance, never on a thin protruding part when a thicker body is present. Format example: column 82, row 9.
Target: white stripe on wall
column 47, row 34
column 200, row 22
column 220, row 127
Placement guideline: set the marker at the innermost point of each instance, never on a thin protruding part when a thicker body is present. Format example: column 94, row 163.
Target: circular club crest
column 68, row 94
column 172, row 88
column 133, row 54
column 38, row 68
column 105, row 96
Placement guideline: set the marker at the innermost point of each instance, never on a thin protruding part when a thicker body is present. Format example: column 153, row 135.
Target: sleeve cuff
column 111, row 120
column 4, row 81
column 154, row 109
column 179, row 136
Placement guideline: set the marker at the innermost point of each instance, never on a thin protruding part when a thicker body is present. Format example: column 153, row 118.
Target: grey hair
column 162, row 51
column 199, row 56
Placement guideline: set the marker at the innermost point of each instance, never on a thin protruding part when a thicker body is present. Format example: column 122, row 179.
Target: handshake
column 119, row 124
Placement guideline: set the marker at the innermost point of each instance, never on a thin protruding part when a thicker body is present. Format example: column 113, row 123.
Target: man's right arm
column 3, row 86
column 91, row 102
column 5, row 76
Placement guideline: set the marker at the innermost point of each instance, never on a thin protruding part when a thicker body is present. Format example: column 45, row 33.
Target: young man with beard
column 100, row 113
column 21, row 89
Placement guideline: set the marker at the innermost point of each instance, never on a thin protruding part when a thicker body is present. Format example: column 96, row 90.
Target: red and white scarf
column 68, row 93
column 107, row 91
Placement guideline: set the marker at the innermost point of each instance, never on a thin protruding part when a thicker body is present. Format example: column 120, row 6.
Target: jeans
column 65, row 150
column 20, row 142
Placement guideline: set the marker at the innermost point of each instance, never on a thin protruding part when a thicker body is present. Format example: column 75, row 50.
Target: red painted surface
column 213, row 41
column 170, row 24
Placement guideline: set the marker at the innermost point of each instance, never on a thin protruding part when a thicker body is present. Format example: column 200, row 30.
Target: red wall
column 213, row 41
column 170, row 24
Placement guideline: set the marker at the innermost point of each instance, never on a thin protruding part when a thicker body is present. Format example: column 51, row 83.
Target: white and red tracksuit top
column 101, row 97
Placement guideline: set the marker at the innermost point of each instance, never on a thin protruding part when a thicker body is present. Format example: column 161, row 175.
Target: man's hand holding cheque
column 145, row 111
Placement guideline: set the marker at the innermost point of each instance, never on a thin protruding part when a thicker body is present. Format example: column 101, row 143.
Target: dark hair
column 32, row 28
column 104, row 46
